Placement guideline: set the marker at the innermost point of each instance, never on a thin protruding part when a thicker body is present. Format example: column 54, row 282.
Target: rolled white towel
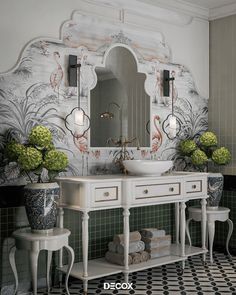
column 133, row 247
column 159, row 252
column 133, row 237
column 152, row 233
column 136, row 258
column 157, row 242
column 144, row 256
column 117, row 258
column 112, row 247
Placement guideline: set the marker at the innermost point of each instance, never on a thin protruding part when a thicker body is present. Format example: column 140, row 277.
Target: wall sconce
column 78, row 115
column 171, row 125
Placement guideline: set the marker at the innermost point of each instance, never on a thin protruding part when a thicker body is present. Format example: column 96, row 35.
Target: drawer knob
column 171, row 189
column 145, row 191
column 106, row 194
column 194, row 186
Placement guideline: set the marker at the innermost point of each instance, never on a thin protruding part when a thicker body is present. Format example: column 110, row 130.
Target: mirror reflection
column 119, row 104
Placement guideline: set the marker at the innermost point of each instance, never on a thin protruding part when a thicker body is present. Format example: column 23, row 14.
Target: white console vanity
column 89, row 193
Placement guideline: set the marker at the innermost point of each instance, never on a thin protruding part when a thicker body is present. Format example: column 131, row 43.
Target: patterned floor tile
column 197, row 279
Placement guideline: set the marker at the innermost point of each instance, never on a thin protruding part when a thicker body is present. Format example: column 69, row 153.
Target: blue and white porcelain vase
column 41, row 206
column 215, row 190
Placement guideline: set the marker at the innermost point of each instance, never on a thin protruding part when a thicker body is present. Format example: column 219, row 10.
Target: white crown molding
column 194, row 10
column 222, row 11
column 177, row 12
column 182, row 7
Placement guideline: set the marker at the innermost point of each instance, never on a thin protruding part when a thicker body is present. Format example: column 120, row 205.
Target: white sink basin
column 147, row 167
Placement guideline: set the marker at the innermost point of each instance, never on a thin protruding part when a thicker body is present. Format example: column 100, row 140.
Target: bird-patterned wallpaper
column 36, row 92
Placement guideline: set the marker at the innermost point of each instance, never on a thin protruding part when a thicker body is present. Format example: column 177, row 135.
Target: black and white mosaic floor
column 218, row 278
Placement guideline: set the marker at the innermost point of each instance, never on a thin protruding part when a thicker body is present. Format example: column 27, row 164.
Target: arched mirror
column 119, row 105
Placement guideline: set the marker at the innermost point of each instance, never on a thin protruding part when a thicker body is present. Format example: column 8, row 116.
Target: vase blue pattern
column 215, row 189
column 41, row 207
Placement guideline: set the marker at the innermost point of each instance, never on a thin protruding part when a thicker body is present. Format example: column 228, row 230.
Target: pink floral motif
column 44, row 47
column 96, row 154
column 156, row 135
column 81, row 143
column 57, row 74
column 158, row 85
column 144, row 153
column 175, row 91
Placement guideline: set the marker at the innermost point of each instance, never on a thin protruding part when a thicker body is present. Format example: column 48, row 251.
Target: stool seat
column 213, row 215
column 219, row 210
column 26, row 234
column 34, row 243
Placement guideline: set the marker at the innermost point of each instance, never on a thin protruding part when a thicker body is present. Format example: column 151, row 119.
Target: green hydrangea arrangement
column 204, row 151
column 188, row 146
column 13, row 150
column 37, row 155
column 40, row 136
column 208, row 139
column 199, row 158
column 30, row 159
column 221, row 156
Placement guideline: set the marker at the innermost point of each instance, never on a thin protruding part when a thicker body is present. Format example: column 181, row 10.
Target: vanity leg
column 126, row 214
column 177, row 222
column 187, row 231
column 182, row 230
column 60, row 225
column 126, row 277
column 207, row 242
column 85, row 234
column 85, row 287
column 204, row 221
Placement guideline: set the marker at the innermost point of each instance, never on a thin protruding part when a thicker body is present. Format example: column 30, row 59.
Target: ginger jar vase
column 215, row 189
column 41, row 206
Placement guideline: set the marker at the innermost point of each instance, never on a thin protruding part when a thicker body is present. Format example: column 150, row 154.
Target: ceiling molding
column 194, row 10
column 178, row 12
column 222, row 11
column 181, row 6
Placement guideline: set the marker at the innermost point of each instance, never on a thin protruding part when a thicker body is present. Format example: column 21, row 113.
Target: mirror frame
column 103, row 65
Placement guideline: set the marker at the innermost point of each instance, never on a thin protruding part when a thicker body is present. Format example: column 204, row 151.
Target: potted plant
column 204, row 154
column 40, row 162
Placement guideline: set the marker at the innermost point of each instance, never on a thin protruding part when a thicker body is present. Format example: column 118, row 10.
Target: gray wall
column 222, row 103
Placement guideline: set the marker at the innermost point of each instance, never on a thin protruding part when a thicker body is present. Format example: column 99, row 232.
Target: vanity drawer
column 157, row 190
column 194, row 186
column 106, row 194
column 103, row 194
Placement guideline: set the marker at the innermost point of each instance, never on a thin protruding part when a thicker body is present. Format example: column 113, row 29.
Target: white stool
column 34, row 243
column 218, row 214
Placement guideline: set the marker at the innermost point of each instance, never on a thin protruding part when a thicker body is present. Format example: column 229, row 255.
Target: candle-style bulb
column 172, row 126
column 79, row 117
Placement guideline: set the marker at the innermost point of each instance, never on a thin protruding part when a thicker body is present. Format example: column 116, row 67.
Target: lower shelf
column 100, row 267
column 189, row 250
column 97, row 268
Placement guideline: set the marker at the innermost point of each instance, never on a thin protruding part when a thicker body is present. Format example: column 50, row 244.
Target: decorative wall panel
column 37, row 92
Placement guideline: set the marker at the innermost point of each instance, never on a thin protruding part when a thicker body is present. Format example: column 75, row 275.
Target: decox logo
column 117, row 286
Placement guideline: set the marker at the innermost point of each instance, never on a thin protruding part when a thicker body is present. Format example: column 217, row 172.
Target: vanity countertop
column 122, row 177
